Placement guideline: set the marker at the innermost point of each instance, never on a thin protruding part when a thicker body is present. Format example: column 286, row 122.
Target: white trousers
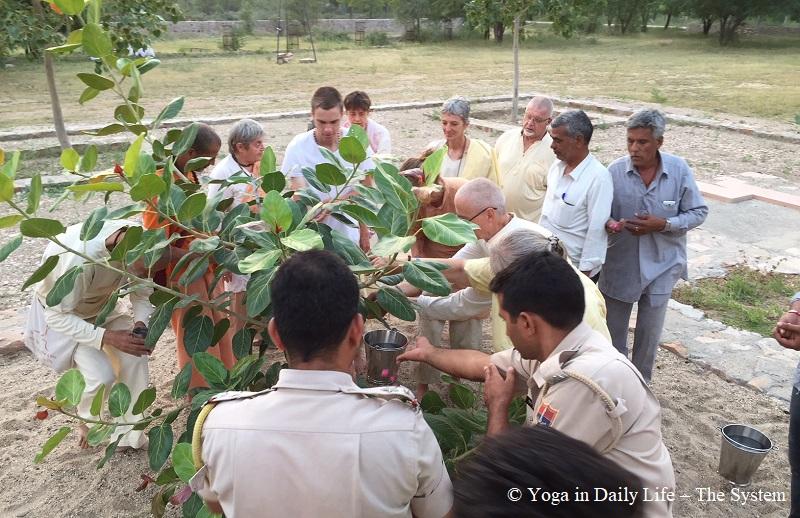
column 107, row 367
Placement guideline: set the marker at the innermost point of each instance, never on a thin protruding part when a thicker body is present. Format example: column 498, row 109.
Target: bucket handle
column 774, row 446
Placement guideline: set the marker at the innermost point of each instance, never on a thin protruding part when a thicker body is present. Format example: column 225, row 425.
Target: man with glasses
column 481, row 202
column 523, row 159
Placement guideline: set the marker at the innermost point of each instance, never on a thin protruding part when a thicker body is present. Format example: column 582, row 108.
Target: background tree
column 411, row 12
column 670, row 8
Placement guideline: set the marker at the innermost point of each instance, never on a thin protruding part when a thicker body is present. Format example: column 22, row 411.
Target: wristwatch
column 667, row 226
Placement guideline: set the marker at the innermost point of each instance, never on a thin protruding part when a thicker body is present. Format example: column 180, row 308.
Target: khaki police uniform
column 589, row 391
column 318, row 445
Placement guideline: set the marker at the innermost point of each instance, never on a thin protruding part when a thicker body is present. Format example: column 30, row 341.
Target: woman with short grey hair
column 466, row 157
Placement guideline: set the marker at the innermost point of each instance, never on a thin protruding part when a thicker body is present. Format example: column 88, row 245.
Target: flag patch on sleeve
column 546, row 415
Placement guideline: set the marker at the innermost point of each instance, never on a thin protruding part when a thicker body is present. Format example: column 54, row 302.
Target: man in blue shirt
column 656, row 201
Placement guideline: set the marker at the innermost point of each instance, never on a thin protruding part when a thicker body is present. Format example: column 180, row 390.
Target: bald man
column 523, row 158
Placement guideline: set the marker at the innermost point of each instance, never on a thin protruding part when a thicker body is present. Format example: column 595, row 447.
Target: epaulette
column 397, row 392
column 233, row 395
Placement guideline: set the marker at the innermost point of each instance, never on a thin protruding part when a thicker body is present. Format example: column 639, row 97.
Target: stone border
column 570, row 103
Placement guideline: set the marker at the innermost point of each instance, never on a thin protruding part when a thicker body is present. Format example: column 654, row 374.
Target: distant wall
column 215, row 28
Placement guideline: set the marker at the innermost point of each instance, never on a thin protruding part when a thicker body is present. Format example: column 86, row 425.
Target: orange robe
column 204, row 289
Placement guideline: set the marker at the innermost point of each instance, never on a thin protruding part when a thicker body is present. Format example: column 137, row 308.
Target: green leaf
column 106, row 310
column 311, row 178
column 96, row 81
column 159, row 321
column 107, row 130
column 146, row 398
column 432, row 402
column 69, row 159
column 119, row 399
column 180, row 386
column 268, row 162
column 433, row 164
column 160, row 445
column 99, row 433
column 462, row 396
column 42, row 271
column 63, row 286
column 330, row 174
column 88, row 94
column 94, row 224
column 351, row 150
column 192, row 207
column 132, row 156
column 51, row 443
column 196, row 269
column 259, row 260
column 185, row 141
column 258, row 295
column 170, row 111
column 10, row 221
column 196, row 164
column 96, row 187
column 70, row 387
column 96, row 41
column 88, row 160
column 34, row 194
column 8, row 248
column 70, row 7
column 397, row 304
column 220, row 328
column 390, row 245
column 111, row 449
column 448, row 435
column 97, row 401
column 130, row 114
column 427, row 278
column 10, row 167
column 149, row 186
column 448, row 229
column 394, row 188
column 302, row 240
column 148, row 65
column 275, row 212
column 203, row 246
column 362, row 214
column 183, row 462
column 360, row 134
column 211, row 368
column 243, row 342
column 271, row 376
column 132, row 237
column 470, row 421
column 273, row 182
column 198, row 334
column 6, row 188
column 63, row 49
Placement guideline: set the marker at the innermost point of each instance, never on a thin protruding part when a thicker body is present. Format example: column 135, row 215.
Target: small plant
column 377, row 39
column 658, row 96
column 233, row 40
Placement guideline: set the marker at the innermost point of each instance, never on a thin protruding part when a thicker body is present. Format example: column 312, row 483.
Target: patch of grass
column 744, row 298
column 692, row 72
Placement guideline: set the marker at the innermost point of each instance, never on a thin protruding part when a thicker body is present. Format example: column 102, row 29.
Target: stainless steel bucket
column 743, row 449
column 383, row 348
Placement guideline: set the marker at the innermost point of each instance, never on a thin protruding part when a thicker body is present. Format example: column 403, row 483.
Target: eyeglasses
column 481, row 212
column 541, row 121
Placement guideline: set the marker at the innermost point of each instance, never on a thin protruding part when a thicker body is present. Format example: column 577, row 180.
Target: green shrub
column 377, row 39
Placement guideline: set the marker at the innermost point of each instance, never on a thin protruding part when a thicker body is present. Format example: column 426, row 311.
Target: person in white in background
column 577, row 203
column 245, row 148
column 304, row 151
column 358, row 107
column 64, row 335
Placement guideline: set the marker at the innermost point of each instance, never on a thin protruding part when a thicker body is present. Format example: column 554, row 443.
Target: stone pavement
column 762, row 236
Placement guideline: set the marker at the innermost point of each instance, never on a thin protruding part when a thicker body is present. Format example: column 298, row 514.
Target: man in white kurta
column 64, row 335
column 523, row 159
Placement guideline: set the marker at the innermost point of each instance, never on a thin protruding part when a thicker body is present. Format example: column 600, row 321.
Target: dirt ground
column 694, row 402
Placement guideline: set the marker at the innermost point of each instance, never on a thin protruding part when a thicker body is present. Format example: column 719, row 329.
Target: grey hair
column 244, row 132
column 576, row 123
column 648, row 118
column 519, row 243
column 483, row 193
column 543, row 103
column 457, row 106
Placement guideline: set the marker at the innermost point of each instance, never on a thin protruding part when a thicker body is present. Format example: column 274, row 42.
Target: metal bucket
column 383, row 348
column 743, row 449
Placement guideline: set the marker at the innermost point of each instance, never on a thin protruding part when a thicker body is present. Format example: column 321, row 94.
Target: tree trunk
column 55, row 104
column 727, row 29
column 486, row 34
column 669, row 19
column 498, row 29
column 723, row 30
column 707, row 23
column 515, row 95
